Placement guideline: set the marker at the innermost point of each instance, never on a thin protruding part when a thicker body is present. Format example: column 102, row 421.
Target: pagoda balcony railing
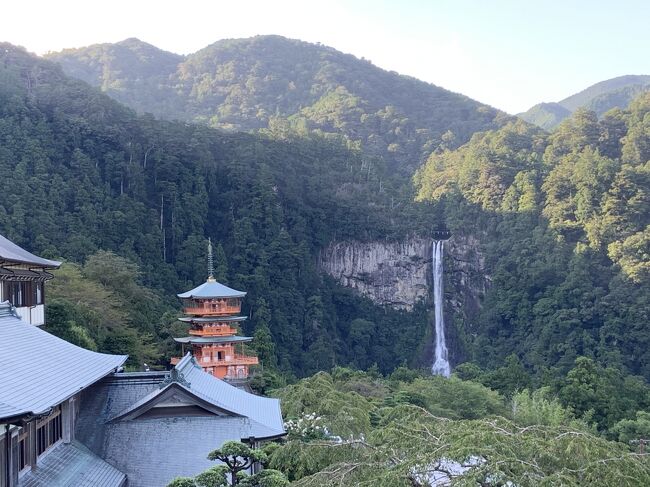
column 231, row 360
column 246, row 360
column 213, row 331
column 213, row 310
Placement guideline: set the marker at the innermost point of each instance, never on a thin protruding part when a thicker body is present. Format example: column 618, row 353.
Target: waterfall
column 441, row 364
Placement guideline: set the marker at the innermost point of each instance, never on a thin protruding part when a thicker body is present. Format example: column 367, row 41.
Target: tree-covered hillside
column 546, row 115
column 561, row 221
column 584, row 97
column 269, row 81
column 82, row 175
column 564, row 221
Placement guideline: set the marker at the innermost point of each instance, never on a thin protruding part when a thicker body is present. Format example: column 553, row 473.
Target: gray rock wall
column 395, row 274
column 398, row 274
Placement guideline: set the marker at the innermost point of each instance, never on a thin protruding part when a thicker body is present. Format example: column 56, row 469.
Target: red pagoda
column 214, row 310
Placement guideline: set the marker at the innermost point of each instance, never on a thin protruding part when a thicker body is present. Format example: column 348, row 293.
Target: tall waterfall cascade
column 441, row 364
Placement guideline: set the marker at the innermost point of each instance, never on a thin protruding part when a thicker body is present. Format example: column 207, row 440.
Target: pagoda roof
column 11, row 252
column 213, row 319
column 38, row 371
column 212, row 289
column 213, row 339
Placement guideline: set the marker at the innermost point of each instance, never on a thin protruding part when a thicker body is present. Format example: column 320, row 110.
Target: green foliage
column 265, row 478
column 541, row 408
column 602, row 395
column 285, row 87
column 216, row 476
column 182, row 482
column 62, row 319
column 562, row 223
column 344, row 412
column 632, row 430
column 237, row 457
column 132, row 201
column 411, row 446
column 101, row 306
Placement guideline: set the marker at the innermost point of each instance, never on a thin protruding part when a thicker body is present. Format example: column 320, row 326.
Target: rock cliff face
column 398, row 274
column 395, row 274
column 466, row 278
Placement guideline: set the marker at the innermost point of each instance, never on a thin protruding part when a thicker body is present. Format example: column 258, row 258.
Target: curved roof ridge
column 26, row 387
column 12, row 252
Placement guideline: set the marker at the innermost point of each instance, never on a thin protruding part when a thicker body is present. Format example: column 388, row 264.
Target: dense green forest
column 553, row 361
column 270, row 81
column 563, row 221
column 88, row 180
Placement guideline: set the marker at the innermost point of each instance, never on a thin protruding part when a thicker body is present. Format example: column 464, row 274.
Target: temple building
column 41, row 381
column 22, row 281
column 213, row 311
column 70, row 417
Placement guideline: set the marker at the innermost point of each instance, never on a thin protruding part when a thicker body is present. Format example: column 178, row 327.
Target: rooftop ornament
column 174, row 376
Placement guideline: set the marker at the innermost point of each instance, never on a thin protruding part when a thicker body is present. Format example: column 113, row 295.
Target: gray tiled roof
column 213, row 339
column 179, row 445
column 263, row 410
column 39, row 371
column 12, row 252
column 73, row 465
column 212, row 289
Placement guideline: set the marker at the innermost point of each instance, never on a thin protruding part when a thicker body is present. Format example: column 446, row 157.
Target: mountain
column 264, row 81
column 600, row 98
column 546, row 115
column 130, row 201
column 604, row 88
column 547, row 281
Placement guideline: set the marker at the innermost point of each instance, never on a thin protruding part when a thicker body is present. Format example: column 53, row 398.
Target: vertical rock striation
column 392, row 274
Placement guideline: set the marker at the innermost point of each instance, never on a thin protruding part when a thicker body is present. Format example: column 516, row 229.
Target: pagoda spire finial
column 210, row 261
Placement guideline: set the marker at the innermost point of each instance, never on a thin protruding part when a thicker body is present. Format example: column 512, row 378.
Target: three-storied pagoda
column 213, row 310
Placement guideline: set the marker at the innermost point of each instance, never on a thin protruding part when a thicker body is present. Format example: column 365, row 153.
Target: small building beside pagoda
column 22, row 281
column 213, row 311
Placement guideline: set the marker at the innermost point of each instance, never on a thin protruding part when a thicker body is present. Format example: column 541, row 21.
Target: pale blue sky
column 509, row 54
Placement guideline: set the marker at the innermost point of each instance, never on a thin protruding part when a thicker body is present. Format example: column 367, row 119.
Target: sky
column 506, row 53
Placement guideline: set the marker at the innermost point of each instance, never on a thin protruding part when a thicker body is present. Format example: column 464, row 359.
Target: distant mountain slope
column 546, row 115
column 586, row 96
column 255, row 83
column 600, row 98
column 131, row 71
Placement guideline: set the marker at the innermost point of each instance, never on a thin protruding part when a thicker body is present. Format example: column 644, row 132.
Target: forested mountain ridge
column 132, row 200
column 600, row 97
column 266, row 81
